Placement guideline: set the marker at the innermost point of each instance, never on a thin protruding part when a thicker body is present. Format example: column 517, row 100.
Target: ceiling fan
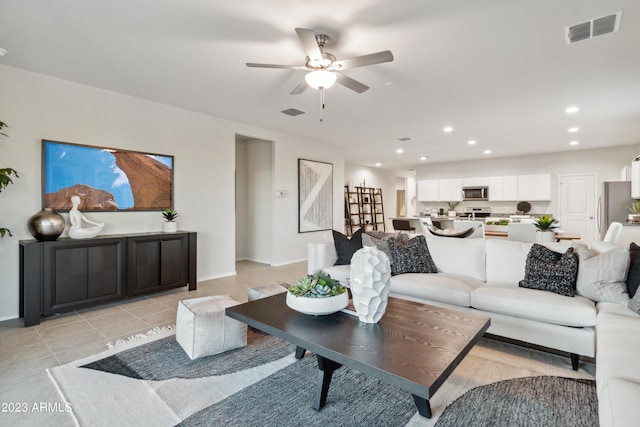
column 323, row 68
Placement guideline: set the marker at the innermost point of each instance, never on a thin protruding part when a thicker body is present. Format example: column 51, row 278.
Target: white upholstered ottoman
column 265, row 291
column 202, row 329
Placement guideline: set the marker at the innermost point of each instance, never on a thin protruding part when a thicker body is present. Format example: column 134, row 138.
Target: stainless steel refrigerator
column 614, row 204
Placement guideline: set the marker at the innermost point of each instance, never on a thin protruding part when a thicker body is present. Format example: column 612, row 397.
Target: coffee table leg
column 424, row 408
column 300, row 352
column 326, row 368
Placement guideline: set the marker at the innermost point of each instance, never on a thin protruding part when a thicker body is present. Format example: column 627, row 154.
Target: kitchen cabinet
column 534, row 187
column 503, row 188
column 635, row 180
column 67, row 274
column 450, row 190
column 428, row 190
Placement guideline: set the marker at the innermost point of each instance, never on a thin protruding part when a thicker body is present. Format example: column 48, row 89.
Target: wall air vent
column 405, row 139
column 594, row 28
column 292, row 112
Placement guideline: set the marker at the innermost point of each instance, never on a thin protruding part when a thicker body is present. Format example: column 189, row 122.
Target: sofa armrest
column 321, row 255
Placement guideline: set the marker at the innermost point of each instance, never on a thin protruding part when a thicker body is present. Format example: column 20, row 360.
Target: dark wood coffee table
column 414, row 347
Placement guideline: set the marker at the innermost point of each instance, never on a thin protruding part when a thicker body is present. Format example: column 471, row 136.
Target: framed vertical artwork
column 315, row 196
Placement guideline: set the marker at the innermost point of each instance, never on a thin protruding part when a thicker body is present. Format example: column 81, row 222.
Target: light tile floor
column 26, row 353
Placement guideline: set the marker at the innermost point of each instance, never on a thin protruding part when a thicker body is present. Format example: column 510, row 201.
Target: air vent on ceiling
column 405, row 139
column 594, row 28
column 292, row 112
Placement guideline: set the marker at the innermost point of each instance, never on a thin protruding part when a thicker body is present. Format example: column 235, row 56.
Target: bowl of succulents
column 317, row 294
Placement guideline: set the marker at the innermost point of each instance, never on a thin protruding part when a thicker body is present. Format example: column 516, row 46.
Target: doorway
column 577, row 204
column 254, row 177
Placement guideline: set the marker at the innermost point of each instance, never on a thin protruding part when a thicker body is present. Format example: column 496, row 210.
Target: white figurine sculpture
column 77, row 230
column 370, row 276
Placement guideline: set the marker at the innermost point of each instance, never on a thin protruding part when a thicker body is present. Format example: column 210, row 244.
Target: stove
column 473, row 212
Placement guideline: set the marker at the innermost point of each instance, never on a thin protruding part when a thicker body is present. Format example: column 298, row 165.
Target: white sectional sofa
column 482, row 275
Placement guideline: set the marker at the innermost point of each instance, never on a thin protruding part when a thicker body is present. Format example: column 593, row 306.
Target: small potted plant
column 170, row 225
column 634, row 216
column 545, row 225
column 452, row 208
column 317, row 294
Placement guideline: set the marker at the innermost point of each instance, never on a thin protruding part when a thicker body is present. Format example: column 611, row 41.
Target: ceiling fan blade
column 310, row 45
column 287, row 67
column 359, row 61
column 300, row 88
column 351, row 83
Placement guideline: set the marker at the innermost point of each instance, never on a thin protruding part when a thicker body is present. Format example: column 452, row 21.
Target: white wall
column 377, row 178
column 260, row 198
column 37, row 106
column 607, row 163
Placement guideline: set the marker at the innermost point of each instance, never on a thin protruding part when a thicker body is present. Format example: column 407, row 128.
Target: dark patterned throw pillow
column 346, row 247
column 633, row 278
column 411, row 256
column 551, row 271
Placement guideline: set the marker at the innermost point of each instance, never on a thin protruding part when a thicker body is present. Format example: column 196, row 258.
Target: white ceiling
column 498, row 71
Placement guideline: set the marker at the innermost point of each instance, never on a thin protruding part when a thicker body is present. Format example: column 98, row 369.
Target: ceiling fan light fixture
column 320, row 79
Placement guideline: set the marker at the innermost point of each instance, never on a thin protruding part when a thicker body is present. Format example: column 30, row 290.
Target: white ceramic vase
column 170, row 226
column 545, row 236
column 370, row 280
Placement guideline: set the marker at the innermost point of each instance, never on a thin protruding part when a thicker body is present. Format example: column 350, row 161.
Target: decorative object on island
column 452, row 209
column 317, row 294
column 634, row 216
column 46, row 225
column 370, row 275
column 78, row 230
column 5, row 180
column 523, row 207
column 545, row 225
column 110, row 179
column 315, row 196
column 170, row 225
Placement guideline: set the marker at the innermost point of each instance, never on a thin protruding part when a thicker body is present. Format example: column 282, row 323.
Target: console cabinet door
column 157, row 262
column 82, row 273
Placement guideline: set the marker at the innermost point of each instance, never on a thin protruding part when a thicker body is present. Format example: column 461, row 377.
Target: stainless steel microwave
column 475, row 193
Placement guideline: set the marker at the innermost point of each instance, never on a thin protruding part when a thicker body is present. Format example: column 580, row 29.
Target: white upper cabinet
column 503, row 188
column 534, row 187
column 475, row 182
column 635, row 180
column 428, row 190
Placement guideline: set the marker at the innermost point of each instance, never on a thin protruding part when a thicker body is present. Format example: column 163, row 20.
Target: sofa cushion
column 459, row 256
column 633, row 277
column 602, row 275
column 411, row 257
column 339, row 272
column 446, row 288
column 548, row 307
column 617, row 398
column 506, row 260
column 380, row 241
column 618, row 344
column 346, row 247
column 551, row 271
column 634, row 303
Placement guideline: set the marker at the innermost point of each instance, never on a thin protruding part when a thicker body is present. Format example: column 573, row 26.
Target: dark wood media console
column 66, row 274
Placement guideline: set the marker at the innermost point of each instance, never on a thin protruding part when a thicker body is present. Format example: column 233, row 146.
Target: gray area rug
column 529, row 401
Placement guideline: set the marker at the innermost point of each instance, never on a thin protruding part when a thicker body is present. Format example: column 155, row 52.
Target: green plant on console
column 5, row 180
column 546, row 223
column 317, row 285
column 170, row 214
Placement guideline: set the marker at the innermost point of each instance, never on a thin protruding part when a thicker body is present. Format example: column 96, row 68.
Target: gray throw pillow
column 634, row 303
column 551, row 271
column 602, row 275
column 411, row 257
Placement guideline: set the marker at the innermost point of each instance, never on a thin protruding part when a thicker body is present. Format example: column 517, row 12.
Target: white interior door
column 577, row 204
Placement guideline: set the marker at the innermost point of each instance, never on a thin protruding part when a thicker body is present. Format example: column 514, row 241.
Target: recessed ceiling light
column 471, row 142
column 423, row 158
column 574, row 143
column 378, row 164
column 389, row 83
column 3, row 52
column 573, row 129
column 399, row 151
column 448, row 129
column 487, row 151
column 571, row 110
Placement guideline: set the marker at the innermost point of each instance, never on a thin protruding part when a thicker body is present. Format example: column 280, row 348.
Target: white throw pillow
column 602, row 275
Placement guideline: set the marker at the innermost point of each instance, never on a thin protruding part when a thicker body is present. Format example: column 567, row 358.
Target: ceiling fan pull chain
column 321, row 103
